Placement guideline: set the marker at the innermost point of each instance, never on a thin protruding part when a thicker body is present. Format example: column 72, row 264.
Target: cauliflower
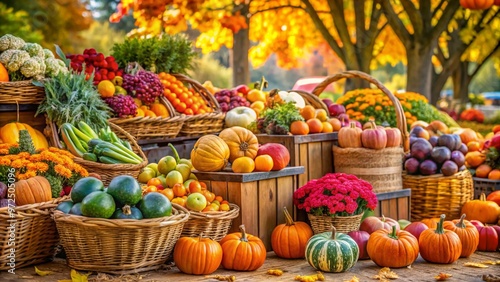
column 53, row 67
column 17, row 60
column 31, row 68
column 6, row 55
column 9, row 41
column 34, row 49
column 48, row 53
column 41, row 62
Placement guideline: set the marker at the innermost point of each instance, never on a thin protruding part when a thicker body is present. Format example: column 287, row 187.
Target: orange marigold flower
column 378, row 108
column 43, row 167
column 4, row 161
column 21, row 176
column 4, row 151
column 35, row 158
column 61, row 170
column 408, row 114
column 30, row 173
column 17, row 164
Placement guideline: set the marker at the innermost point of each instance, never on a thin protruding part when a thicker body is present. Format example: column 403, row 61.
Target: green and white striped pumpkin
column 332, row 251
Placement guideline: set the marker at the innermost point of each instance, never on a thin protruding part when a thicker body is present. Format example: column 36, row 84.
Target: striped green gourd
column 332, row 251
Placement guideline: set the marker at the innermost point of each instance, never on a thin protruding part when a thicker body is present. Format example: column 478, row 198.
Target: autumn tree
column 17, row 23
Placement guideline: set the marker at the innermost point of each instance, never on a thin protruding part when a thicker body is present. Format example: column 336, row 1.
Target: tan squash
column 241, row 142
column 33, row 190
column 210, row 153
column 350, row 137
column 482, row 210
column 9, row 133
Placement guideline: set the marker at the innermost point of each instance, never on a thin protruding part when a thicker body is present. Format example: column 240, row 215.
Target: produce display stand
column 261, row 197
column 394, row 204
column 313, row 152
column 24, row 113
column 21, row 92
column 484, row 185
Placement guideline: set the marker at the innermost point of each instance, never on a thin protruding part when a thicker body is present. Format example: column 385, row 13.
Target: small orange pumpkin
column 197, row 255
column 430, row 222
column 4, row 74
column 33, row 190
column 402, row 246
column 482, row 210
column 241, row 142
column 242, row 251
column 289, row 239
column 439, row 245
column 350, row 137
column 494, row 196
column 467, row 232
column 210, row 153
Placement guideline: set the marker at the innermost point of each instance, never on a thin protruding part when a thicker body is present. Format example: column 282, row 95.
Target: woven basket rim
column 179, row 215
column 231, row 214
column 19, row 83
column 37, row 207
column 334, row 216
column 370, row 151
column 437, row 176
column 117, row 121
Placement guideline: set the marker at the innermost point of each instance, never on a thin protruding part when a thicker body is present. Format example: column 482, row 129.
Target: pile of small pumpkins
column 240, row 147
column 370, row 136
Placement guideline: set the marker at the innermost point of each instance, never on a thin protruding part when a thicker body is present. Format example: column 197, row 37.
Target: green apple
column 193, row 176
column 154, row 166
column 186, row 183
column 163, row 179
column 174, row 177
column 196, row 202
column 146, row 174
column 184, row 170
column 186, row 162
column 403, row 223
column 166, row 164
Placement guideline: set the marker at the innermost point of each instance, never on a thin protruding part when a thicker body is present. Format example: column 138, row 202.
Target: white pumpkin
column 292, row 97
column 240, row 116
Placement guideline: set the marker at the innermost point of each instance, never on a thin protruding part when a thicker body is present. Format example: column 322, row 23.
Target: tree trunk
column 420, row 70
column 357, row 83
column 239, row 60
column 461, row 81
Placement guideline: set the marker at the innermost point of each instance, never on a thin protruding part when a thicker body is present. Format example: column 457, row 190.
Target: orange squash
column 242, row 251
column 467, row 232
column 198, row 256
column 467, row 135
column 482, row 210
column 9, row 133
column 289, row 239
column 210, row 153
column 439, row 245
column 33, row 190
column 4, row 74
column 430, row 222
column 350, row 137
column 241, row 142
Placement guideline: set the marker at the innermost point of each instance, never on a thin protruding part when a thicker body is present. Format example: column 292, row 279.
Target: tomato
column 181, row 107
column 189, row 112
column 189, row 101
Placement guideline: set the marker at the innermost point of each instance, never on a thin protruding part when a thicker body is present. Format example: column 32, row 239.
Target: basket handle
column 202, row 90
column 312, row 99
column 400, row 114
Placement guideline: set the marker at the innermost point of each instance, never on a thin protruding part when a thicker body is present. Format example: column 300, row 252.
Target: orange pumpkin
column 402, row 246
column 4, row 74
column 439, row 245
column 197, row 255
column 210, row 153
column 494, row 196
column 482, row 210
column 476, row 4
column 350, row 137
column 467, row 232
column 9, row 133
column 430, row 222
column 374, row 137
column 243, row 165
column 242, row 251
column 467, row 135
column 241, row 142
column 393, row 137
column 289, row 239
column 33, row 190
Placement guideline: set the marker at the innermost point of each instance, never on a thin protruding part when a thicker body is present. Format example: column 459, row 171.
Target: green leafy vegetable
column 277, row 120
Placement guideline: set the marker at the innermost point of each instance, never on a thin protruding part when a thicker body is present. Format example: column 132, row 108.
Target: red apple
column 336, row 109
column 327, row 102
column 196, row 202
column 361, row 238
column 488, row 239
column 278, row 152
column 373, row 223
column 415, row 228
column 160, row 187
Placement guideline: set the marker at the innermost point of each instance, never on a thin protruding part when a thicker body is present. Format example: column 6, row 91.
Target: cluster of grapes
column 122, row 105
column 230, row 99
column 144, row 85
column 104, row 68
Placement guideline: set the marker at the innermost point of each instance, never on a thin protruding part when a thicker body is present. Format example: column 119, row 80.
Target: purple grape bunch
column 122, row 105
column 144, row 85
column 230, row 99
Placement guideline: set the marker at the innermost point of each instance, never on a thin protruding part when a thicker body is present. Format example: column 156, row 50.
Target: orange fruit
column 224, row 207
column 106, row 88
column 315, row 125
column 154, row 182
column 483, row 170
column 299, row 127
column 308, row 112
column 179, row 190
column 149, row 113
column 475, row 159
column 336, row 124
column 322, row 115
column 160, row 110
column 473, row 146
column 494, row 174
column 4, row 75
column 327, row 127
column 219, row 198
column 169, row 193
column 209, row 195
column 180, row 201
column 243, row 165
column 264, row 163
column 140, row 113
column 208, row 208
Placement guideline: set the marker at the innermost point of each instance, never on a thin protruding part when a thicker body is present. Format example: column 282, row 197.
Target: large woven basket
column 214, row 225
column 34, row 234
column 436, row 194
column 208, row 123
column 22, row 92
column 312, row 100
column 119, row 246
column 382, row 168
column 106, row 171
column 143, row 128
column 343, row 224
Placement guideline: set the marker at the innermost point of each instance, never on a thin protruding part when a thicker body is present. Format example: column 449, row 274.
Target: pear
column 193, row 176
column 166, row 164
column 174, row 177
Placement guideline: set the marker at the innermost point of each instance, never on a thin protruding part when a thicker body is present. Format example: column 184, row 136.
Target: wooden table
column 364, row 270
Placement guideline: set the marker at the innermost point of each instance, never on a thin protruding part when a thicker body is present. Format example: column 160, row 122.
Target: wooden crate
column 261, row 197
column 395, row 204
column 313, row 152
column 8, row 113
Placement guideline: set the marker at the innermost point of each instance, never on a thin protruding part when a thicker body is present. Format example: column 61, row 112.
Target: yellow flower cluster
column 45, row 161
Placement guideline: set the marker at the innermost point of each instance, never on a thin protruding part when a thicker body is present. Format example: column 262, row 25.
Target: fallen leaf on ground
column 78, row 277
column 489, row 262
column 442, row 276
column 386, row 273
column 310, row 278
column 229, row 278
column 475, row 264
column 275, row 272
column 353, row 279
column 43, row 272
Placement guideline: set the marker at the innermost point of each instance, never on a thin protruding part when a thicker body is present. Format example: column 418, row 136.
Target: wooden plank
column 246, row 197
column 326, row 157
column 384, row 207
column 304, row 161
column 229, row 176
column 315, row 164
column 284, row 197
column 403, row 209
column 220, row 188
column 24, row 117
column 267, row 210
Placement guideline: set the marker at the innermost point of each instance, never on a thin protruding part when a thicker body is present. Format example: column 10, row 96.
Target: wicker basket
column 106, row 171
column 22, row 92
column 343, row 224
column 484, row 185
column 202, row 124
column 382, row 168
column 214, row 225
column 36, row 236
column 436, row 194
column 119, row 246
